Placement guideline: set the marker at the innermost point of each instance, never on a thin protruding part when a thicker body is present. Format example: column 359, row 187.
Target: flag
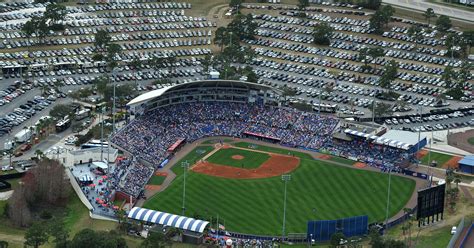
column 222, row 227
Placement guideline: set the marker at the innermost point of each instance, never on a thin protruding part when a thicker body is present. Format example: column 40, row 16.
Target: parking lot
column 285, row 56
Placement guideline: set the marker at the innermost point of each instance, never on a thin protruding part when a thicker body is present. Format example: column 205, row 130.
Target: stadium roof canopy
column 204, row 83
column 400, row 139
column 467, row 160
column 162, row 218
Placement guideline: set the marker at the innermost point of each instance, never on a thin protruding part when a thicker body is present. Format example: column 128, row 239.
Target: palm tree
column 39, row 154
column 457, row 180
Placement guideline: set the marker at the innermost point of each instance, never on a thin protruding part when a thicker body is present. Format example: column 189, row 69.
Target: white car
column 453, row 230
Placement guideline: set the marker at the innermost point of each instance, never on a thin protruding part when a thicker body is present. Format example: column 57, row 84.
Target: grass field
column 156, row 180
column 317, row 190
column 192, row 157
column 273, row 150
column 440, row 157
column 250, row 159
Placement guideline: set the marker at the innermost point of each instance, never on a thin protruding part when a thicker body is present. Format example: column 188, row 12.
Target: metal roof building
column 466, row 164
column 166, row 219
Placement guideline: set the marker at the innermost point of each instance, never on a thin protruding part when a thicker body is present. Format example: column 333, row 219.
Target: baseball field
column 242, row 184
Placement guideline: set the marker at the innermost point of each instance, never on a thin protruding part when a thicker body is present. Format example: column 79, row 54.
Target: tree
column 36, row 235
column 468, row 37
column 364, row 56
column 443, row 24
column 55, row 12
column 3, row 244
column 155, row 240
column 85, row 238
column 376, row 22
column 429, row 13
column 336, row 239
column 370, row 4
column 28, row 28
column 101, row 39
column 60, row 111
column 302, row 4
column 389, row 74
column 448, row 77
column 376, row 52
column 382, row 109
column 39, row 154
column 381, row 18
column 457, row 180
column 101, row 84
column 58, row 230
column 416, row 34
column 122, row 219
column 219, row 37
column 387, row 12
column 464, row 74
column 206, row 63
column 235, row 4
column 112, row 51
column 322, row 34
column 18, row 210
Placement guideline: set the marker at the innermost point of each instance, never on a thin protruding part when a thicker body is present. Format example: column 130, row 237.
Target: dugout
column 466, row 164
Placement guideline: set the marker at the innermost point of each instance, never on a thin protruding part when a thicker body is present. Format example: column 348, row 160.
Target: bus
column 325, row 108
column 83, row 113
column 94, row 144
column 63, row 125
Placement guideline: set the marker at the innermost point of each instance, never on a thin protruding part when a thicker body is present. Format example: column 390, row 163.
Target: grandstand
column 169, row 117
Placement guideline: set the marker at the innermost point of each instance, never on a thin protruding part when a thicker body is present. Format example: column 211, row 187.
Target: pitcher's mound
column 238, row 157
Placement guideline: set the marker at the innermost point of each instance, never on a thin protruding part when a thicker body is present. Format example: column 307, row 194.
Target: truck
column 23, row 136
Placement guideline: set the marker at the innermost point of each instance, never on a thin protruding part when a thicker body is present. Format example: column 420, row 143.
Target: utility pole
column 285, row 178
column 419, row 134
column 230, row 43
column 185, row 166
column 102, row 134
column 388, row 195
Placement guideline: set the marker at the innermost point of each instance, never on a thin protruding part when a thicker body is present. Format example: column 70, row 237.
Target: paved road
column 438, row 9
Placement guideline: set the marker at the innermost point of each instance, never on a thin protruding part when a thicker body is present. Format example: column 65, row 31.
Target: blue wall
column 322, row 230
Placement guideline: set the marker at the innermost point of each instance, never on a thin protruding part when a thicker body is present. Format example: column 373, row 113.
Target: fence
column 455, row 237
column 401, row 219
column 322, row 230
column 466, row 236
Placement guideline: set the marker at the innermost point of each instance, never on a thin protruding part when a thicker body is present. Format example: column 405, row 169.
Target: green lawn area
column 192, row 158
column 317, row 190
column 471, row 141
column 440, row 157
column 250, row 159
column 273, row 150
column 342, row 160
column 437, row 239
column 156, row 180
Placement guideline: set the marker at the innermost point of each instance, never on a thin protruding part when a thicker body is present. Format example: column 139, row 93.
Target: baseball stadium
column 230, row 152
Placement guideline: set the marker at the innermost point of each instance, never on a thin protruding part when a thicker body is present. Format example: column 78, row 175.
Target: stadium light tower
column 185, row 165
column 285, row 179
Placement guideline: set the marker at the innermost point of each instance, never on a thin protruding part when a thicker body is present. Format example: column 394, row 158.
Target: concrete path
column 418, row 5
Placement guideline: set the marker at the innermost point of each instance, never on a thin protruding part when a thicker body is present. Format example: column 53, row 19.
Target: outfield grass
column 251, row 159
column 317, row 190
column 440, row 157
column 192, row 158
column 273, row 150
column 156, row 180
